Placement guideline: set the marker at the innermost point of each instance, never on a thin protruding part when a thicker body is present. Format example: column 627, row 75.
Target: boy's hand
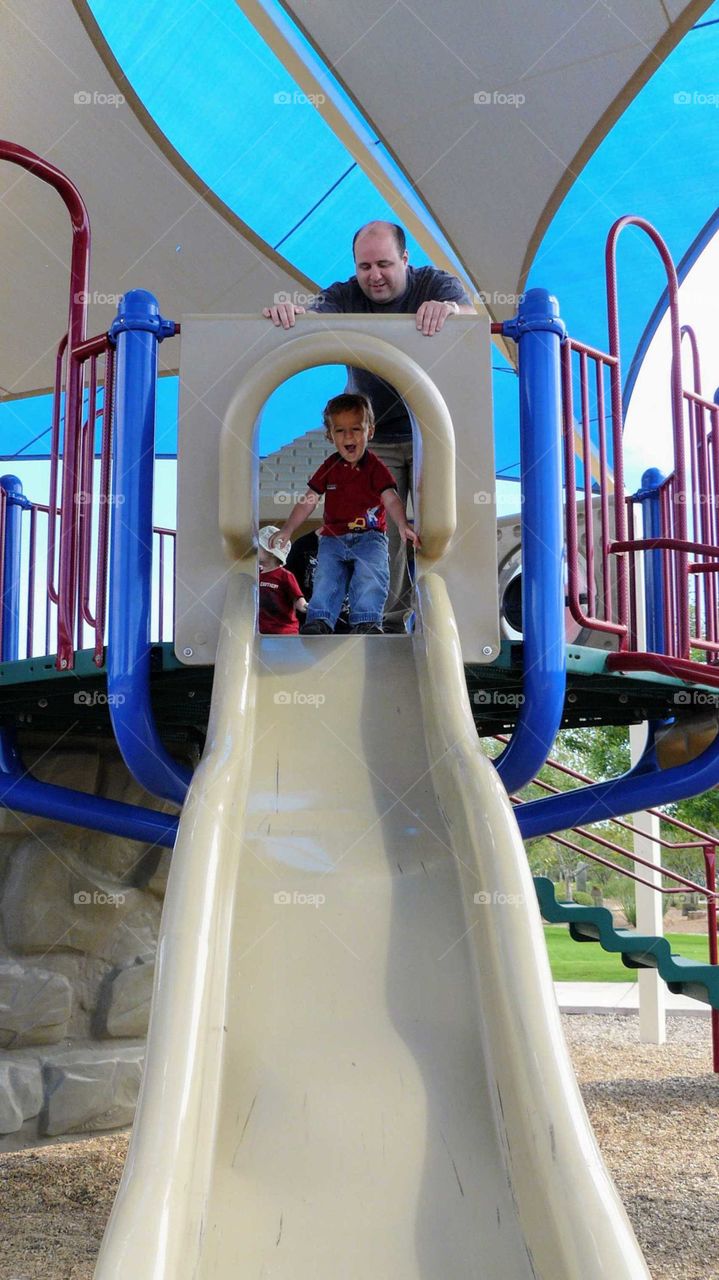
column 407, row 534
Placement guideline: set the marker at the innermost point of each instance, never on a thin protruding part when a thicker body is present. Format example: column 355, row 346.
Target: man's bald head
column 380, row 262
column 392, row 227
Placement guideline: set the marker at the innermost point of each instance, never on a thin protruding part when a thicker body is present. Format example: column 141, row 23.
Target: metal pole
column 76, row 333
column 21, row 793
column 650, row 912
column 649, row 496
column 539, row 333
column 137, row 331
column 15, row 502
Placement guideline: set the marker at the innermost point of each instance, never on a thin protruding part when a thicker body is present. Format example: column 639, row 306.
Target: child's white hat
column 264, row 540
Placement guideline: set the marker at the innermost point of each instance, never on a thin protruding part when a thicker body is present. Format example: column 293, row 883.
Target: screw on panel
column 486, row 650
column 188, row 652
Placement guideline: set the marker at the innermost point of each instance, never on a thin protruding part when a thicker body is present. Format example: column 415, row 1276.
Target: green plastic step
column 685, row 977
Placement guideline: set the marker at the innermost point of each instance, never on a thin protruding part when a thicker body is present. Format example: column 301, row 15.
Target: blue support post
column 19, row 791
column 16, row 502
column 539, row 332
column 652, row 481
column 137, row 331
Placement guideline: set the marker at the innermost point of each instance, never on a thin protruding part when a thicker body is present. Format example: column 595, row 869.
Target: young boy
column 280, row 594
column 359, row 489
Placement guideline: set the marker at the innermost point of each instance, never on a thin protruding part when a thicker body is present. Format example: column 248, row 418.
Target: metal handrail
column 705, row 842
column 624, row 871
column 703, row 836
column 30, row 572
column 589, row 618
column 76, row 333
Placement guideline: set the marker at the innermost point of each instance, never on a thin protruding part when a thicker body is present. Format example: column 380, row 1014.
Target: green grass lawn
column 586, row 962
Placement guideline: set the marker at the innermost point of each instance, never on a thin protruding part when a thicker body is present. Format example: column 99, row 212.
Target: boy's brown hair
column 344, row 404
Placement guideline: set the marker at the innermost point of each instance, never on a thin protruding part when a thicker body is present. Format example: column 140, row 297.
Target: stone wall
column 79, row 918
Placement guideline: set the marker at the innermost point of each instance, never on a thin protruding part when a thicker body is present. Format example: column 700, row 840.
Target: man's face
column 380, row 268
column 350, row 435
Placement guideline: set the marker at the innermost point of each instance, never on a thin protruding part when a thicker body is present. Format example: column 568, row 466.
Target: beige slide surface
column 355, row 1064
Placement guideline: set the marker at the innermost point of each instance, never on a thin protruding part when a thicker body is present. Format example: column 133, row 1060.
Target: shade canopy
column 491, row 110
column 154, row 223
column 249, row 140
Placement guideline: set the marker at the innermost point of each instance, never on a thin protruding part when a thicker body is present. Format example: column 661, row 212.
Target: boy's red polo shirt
column 353, row 494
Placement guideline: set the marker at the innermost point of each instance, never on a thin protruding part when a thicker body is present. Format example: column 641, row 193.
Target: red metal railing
column 73, row 383
column 701, row 840
column 76, row 515
column 606, row 566
column 607, row 609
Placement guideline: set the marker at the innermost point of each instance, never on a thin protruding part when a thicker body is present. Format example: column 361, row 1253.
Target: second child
column 359, row 490
column 281, row 597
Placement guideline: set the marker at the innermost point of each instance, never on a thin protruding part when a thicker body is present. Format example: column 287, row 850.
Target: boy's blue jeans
column 356, row 564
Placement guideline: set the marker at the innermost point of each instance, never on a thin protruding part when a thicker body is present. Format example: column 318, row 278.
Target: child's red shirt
column 279, row 590
column 353, row 494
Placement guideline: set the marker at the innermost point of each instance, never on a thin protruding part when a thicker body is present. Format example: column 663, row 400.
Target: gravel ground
column 654, row 1110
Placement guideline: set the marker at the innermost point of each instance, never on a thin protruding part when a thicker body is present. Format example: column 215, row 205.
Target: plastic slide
column 355, row 1065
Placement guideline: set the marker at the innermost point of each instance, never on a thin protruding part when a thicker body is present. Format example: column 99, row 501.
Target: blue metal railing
column 15, row 503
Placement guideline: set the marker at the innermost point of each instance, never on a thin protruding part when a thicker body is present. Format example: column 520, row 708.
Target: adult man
column 384, row 282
